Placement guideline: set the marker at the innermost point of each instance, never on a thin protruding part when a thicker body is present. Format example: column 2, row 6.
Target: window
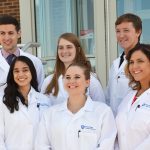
column 142, row 9
column 54, row 17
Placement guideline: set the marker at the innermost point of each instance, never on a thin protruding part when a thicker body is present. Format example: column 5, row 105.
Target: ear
column 139, row 32
column 19, row 34
column 88, row 82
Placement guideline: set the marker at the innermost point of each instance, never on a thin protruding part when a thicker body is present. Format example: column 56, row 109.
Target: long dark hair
column 11, row 94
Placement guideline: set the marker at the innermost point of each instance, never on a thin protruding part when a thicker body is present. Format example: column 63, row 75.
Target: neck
column 142, row 90
column 25, row 91
column 75, row 103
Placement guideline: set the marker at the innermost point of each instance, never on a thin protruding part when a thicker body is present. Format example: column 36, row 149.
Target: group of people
column 69, row 110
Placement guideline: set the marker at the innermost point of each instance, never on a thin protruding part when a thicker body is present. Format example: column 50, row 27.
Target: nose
column 6, row 36
column 120, row 34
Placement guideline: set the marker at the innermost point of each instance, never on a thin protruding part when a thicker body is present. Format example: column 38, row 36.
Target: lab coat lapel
column 24, row 110
column 4, row 65
column 145, row 97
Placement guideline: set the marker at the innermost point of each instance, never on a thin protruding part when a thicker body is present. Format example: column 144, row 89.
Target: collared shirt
column 6, row 54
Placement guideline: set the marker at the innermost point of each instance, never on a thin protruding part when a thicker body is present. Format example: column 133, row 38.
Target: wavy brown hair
column 145, row 49
column 59, row 68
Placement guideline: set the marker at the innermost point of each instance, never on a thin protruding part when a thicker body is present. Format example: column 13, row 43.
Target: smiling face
column 139, row 67
column 22, row 75
column 75, row 82
column 66, row 52
column 9, row 37
column 127, row 36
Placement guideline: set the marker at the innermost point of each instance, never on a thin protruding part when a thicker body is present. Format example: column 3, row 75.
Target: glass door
column 140, row 8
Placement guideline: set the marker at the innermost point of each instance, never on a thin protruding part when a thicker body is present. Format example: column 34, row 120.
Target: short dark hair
column 7, row 19
column 129, row 17
column 11, row 93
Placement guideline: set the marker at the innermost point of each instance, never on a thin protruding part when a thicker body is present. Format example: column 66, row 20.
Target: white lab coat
column 133, row 122
column 4, row 69
column 117, row 87
column 18, row 129
column 95, row 90
column 91, row 128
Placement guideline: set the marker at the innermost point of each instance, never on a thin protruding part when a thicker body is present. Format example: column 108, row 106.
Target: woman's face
column 139, row 67
column 75, row 82
column 66, row 52
column 22, row 75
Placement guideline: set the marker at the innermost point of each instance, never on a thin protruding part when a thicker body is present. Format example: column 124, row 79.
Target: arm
column 109, row 84
column 40, row 73
column 108, row 132
column 144, row 145
column 95, row 89
column 2, row 134
column 46, row 82
column 42, row 140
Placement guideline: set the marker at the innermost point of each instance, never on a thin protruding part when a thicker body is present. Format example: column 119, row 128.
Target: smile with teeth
column 136, row 72
column 21, row 79
column 72, row 86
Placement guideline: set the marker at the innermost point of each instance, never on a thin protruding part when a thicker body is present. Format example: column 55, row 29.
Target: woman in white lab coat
column 69, row 50
column 133, row 117
column 21, row 106
column 78, row 123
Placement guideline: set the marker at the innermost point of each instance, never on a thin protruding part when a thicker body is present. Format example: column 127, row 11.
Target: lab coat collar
column 141, row 99
column 89, row 105
column 32, row 96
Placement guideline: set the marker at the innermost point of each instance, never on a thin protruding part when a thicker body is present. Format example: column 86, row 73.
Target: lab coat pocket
column 141, row 119
column 88, row 140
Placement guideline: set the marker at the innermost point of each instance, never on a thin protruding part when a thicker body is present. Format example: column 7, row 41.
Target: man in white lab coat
column 9, row 35
column 128, row 31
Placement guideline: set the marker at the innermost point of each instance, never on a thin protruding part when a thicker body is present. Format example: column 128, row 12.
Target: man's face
column 127, row 36
column 9, row 37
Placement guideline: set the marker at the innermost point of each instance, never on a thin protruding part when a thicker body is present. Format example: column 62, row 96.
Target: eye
column 140, row 61
column 2, row 33
column 117, row 31
column 15, row 71
column 69, row 46
column 77, row 77
column 25, row 70
column 60, row 47
column 130, row 62
column 126, row 30
column 67, row 78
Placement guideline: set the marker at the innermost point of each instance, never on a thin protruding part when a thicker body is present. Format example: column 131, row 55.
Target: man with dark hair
column 9, row 34
column 128, row 31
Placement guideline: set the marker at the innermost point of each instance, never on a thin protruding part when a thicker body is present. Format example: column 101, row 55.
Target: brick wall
column 10, row 7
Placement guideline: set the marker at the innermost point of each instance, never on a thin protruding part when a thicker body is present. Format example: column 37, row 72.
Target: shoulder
column 53, row 110
column 98, row 107
column 116, row 61
column 46, row 82
column 94, row 78
column 32, row 57
column 48, row 78
column 41, row 98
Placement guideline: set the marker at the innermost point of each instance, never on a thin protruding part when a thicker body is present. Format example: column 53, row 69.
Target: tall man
column 128, row 31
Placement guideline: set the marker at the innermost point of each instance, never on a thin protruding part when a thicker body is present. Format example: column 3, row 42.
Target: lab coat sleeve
column 144, row 145
column 46, row 81
column 95, row 89
column 2, row 134
column 40, row 73
column 108, row 132
column 42, row 141
column 108, row 88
